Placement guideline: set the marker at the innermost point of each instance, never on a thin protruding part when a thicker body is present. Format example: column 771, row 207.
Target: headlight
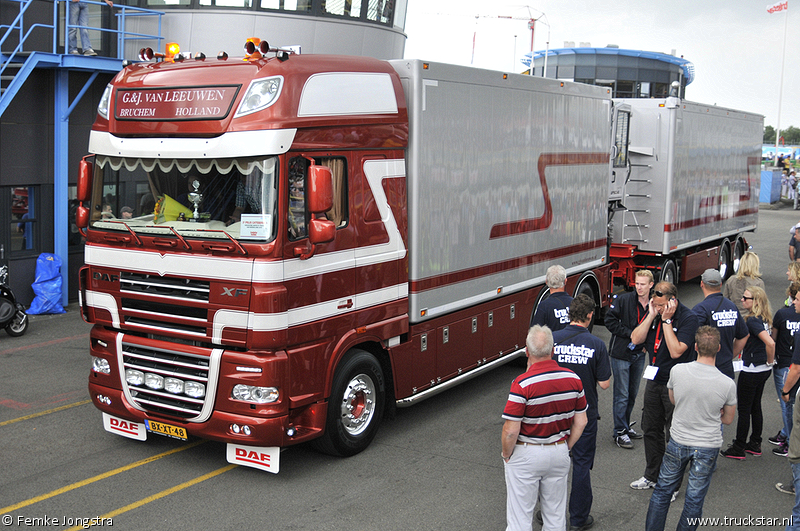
column 260, row 94
column 134, row 377
column 194, row 389
column 258, row 395
column 101, row 365
column 102, row 107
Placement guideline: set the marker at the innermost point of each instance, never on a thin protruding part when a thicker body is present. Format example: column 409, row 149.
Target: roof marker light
column 172, row 49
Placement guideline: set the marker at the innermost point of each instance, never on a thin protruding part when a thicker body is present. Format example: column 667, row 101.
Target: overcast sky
column 736, row 45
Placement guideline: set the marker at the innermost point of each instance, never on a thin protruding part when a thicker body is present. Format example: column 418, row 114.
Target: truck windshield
column 218, row 198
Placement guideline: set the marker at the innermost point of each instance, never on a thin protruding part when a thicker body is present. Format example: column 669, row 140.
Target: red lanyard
column 657, row 343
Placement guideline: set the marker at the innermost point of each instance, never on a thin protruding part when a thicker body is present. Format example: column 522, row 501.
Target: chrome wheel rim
column 358, row 404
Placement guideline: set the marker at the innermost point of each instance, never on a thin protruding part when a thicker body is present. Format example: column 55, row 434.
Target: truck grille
column 165, row 308
column 176, row 288
column 191, row 369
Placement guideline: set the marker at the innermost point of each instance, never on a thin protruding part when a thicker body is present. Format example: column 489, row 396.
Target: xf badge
column 233, row 292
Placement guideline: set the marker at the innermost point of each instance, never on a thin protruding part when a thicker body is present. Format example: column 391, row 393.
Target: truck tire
column 669, row 273
column 541, row 298
column 586, row 287
column 725, row 259
column 355, row 408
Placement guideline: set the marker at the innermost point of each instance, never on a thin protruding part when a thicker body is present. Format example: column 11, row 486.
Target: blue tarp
column 47, row 285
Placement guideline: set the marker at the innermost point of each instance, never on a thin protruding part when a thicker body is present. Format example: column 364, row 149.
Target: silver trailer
column 693, row 185
column 506, row 175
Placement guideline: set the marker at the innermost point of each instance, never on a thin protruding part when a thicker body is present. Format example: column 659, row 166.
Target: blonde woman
column 749, row 274
column 793, row 274
column 758, row 358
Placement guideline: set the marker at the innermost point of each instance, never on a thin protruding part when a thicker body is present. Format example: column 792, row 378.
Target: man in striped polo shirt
column 544, row 417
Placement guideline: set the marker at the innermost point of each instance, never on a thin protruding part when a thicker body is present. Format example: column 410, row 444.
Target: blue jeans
column 701, row 463
column 795, row 525
column 779, row 376
column 627, row 376
column 79, row 16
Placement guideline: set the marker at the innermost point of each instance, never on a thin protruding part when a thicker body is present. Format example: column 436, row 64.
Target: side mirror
column 85, row 173
column 321, row 231
column 320, row 189
column 82, row 217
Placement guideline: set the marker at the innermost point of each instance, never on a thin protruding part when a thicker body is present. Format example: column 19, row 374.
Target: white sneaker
column 674, row 496
column 89, row 52
column 643, row 483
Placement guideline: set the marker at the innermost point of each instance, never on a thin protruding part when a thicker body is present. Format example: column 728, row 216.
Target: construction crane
column 532, row 20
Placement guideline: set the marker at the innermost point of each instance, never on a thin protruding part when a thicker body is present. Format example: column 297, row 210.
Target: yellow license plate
column 175, row 432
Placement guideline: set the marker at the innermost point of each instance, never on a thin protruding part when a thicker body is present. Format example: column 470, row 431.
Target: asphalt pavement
column 435, row 465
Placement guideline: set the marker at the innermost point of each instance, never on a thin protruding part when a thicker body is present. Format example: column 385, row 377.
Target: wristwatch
column 787, row 393
column 668, row 321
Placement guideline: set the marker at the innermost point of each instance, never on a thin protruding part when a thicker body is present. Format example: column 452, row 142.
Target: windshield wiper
column 183, row 241
column 211, row 247
column 135, row 237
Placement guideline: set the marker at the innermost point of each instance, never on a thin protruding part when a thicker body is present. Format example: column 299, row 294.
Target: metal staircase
column 17, row 63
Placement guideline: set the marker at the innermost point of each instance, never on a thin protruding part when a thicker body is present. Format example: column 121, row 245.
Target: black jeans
column 656, row 420
column 749, row 389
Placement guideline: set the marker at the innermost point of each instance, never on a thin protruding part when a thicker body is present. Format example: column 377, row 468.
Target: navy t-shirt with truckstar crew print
column 586, row 355
column 721, row 313
column 553, row 312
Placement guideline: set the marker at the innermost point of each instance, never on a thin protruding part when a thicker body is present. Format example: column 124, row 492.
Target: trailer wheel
column 356, row 405
column 543, row 295
column 587, row 289
column 669, row 273
column 724, row 259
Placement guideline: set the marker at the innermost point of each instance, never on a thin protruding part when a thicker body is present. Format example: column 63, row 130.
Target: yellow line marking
column 104, row 475
column 162, row 494
column 41, row 413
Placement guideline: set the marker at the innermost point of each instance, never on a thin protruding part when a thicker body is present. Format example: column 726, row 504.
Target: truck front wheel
column 355, row 408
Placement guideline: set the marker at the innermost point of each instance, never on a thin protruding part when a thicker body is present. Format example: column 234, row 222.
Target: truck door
column 323, row 283
column 620, row 163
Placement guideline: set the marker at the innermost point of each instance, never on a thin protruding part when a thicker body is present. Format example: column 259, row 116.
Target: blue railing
column 123, row 35
column 26, row 61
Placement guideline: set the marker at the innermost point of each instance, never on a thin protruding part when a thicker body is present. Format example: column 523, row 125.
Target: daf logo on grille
column 233, row 292
column 106, row 277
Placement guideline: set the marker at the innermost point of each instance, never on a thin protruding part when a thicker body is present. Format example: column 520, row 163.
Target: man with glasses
column 668, row 333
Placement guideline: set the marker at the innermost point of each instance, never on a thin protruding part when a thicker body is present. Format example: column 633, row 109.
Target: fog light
column 246, row 430
column 173, row 385
column 235, row 428
column 103, row 399
column 154, row 381
column 134, row 377
column 101, row 365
